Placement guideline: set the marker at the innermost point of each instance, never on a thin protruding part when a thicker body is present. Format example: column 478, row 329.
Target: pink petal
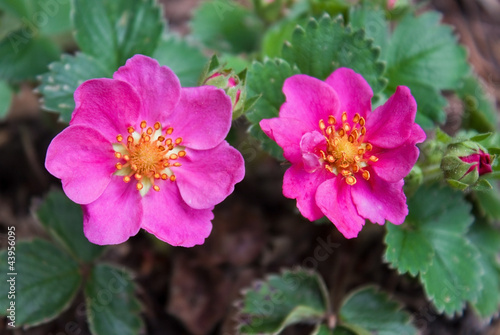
column 354, row 92
column 335, row 201
column 115, row 215
column 417, row 134
column 202, row 118
column 310, row 144
column 171, row 220
column 107, row 105
column 378, row 200
column 157, row 86
column 309, row 99
column 391, row 124
column 288, row 134
column 207, row 177
column 395, row 164
column 83, row 159
column 301, row 185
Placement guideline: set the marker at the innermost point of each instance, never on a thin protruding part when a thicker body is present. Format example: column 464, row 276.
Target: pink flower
column 142, row 152
column 348, row 163
column 480, row 161
column 391, row 3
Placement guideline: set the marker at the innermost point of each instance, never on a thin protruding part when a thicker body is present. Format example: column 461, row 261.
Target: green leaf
column 487, row 240
column 295, row 296
column 322, row 330
column 23, row 58
column 115, row 30
column 424, row 55
column 488, row 202
column 480, row 113
column 47, row 280
column 267, row 79
column 19, row 8
column 185, row 60
column 112, row 307
column 408, row 250
column 437, row 222
column 325, row 45
column 373, row 22
column 226, row 26
column 59, row 85
column 5, row 98
column 48, row 17
column 367, row 311
column 63, row 219
column 275, row 37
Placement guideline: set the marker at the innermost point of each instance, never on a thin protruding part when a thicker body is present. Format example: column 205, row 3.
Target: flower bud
column 231, row 83
column 465, row 162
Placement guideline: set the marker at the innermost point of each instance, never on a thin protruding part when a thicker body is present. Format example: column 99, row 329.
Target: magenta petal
column 309, row 99
column 83, row 159
column 107, row 105
column 207, row 177
column 354, row 92
column 202, row 118
column 301, row 185
column 417, row 134
column 395, row 164
column 288, row 134
column 335, row 201
column 310, row 144
column 171, row 220
column 158, row 86
column 115, row 215
column 391, row 124
column 378, row 200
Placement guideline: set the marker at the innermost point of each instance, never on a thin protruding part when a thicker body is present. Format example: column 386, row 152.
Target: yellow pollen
column 350, row 180
column 346, row 152
column 344, row 117
column 147, row 155
column 356, row 118
column 322, row 124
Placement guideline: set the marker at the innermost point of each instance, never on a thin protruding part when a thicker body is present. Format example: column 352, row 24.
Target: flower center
column 148, row 156
column 346, row 152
